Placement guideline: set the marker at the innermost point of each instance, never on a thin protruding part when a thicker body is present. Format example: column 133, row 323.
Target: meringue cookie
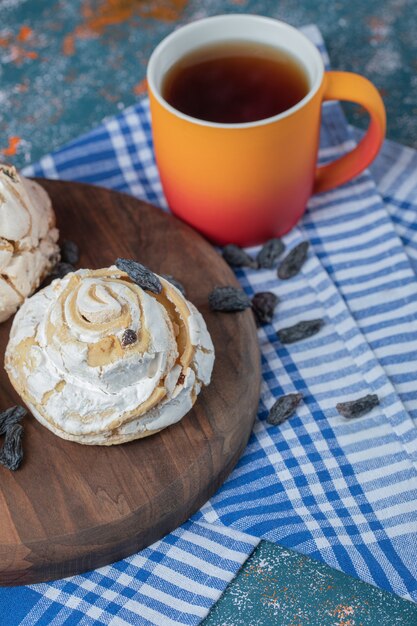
column 67, row 359
column 28, row 239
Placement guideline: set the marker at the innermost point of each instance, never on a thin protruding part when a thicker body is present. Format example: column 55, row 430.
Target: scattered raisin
column 69, row 252
column 11, row 416
column 11, row 454
column 228, row 299
column 129, row 336
column 61, row 269
column 283, row 408
column 263, row 306
column 268, row 255
column 174, row 282
column 237, row 257
column 141, row 275
column 181, row 379
column 294, row 261
column 299, row 331
column 359, row 407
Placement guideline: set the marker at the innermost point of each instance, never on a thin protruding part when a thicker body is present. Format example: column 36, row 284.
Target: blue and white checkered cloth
column 341, row 491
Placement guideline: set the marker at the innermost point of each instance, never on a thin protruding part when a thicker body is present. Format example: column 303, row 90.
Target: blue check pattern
column 343, row 492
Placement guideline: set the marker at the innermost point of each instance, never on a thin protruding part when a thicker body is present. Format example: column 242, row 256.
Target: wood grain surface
column 71, row 508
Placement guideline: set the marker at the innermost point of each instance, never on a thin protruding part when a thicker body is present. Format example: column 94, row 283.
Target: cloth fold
column 342, row 491
column 174, row 581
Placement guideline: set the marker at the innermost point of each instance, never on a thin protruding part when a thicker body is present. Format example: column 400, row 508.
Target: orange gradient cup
column 245, row 183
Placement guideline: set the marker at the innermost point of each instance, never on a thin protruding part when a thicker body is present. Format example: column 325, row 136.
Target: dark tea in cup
column 235, row 82
column 236, row 110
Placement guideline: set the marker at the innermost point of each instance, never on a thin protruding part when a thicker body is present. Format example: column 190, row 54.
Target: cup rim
column 242, row 17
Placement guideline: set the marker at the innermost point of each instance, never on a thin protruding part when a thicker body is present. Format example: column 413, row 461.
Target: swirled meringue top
column 67, row 359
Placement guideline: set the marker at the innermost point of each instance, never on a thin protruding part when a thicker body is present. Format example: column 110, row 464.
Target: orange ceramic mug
column 245, row 183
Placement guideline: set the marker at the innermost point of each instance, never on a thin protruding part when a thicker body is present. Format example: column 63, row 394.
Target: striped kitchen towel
column 342, row 491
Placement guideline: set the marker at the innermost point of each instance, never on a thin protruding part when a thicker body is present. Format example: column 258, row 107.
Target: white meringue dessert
column 98, row 360
column 28, row 239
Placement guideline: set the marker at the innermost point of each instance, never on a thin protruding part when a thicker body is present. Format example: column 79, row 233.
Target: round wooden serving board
column 72, row 508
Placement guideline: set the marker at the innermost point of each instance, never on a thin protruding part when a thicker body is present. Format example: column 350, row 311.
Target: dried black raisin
column 228, row 299
column 283, row 408
column 299, row 331
column 237, row 257
column 61, row 269
column 174, row 282
column 141, row 275
column 263, row 306
column 270, row 252
column 294, row 261
column 11, row 454
column 129, row 336
column 69, row 252
column 359, row 407
column 11, row 416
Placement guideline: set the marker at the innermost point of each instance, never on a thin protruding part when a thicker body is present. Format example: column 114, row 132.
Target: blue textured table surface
column 280, row 587
column 67, row 64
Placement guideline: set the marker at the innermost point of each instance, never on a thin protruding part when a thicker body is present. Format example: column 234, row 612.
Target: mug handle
column 355, row 88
